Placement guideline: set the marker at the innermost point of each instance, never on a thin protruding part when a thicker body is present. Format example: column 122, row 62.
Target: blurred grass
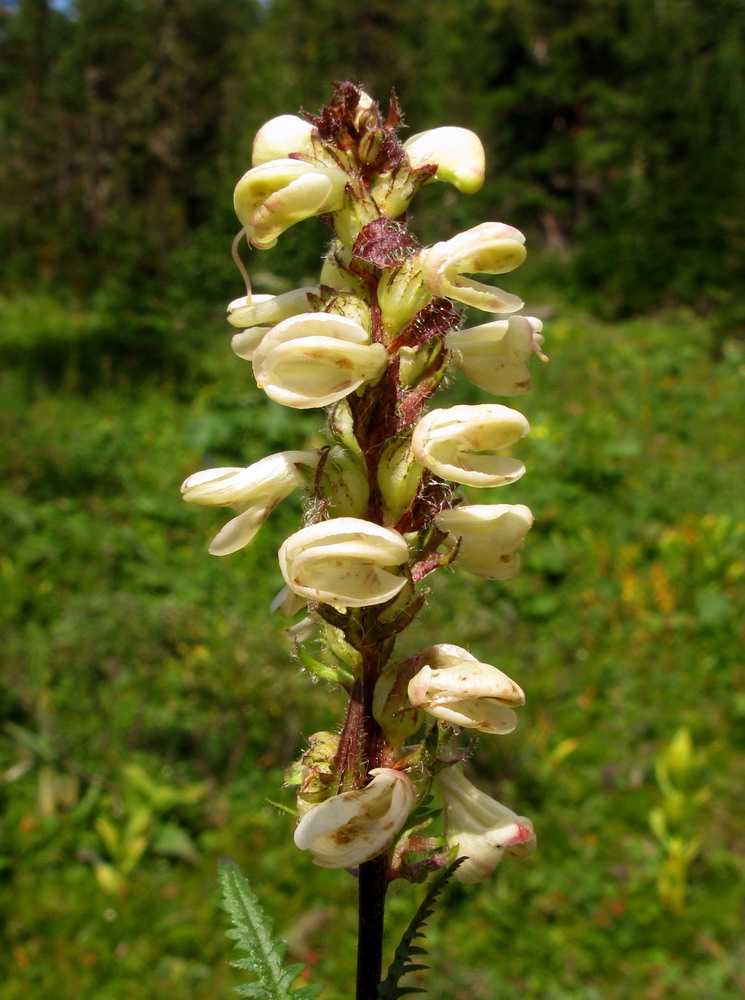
column 124, row 643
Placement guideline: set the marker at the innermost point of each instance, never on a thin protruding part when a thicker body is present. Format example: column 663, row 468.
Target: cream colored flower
column 480, row 828
column 315, row 359
column 274, row 196
column 448, row 442
column 493, row 355
column 355, row 826
column 458, row 153
column 252, row 491
column 490, row 535
column 344, row 561
column 281, row 136
column 491, row 248
column 266, row 310
column 454, row 686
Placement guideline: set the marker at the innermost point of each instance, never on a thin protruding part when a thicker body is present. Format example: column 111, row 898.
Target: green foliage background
column 149, row 702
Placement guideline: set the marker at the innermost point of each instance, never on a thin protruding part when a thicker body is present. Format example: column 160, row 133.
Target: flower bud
column 491, row 248
column 315, row 359
column 355, row 826
column 266, row 310
column 455, row 687
column 344, row 483
column 457, row 152
column 280, row 137
column 399, row 475
column 490, row 536
column 275, row 195
column 480, row 828
column 444, row 441
column 493, row 355
column 345, row 562
column 253, row 491
column 401, row 294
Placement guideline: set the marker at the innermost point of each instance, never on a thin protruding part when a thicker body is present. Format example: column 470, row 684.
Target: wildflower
column 490, row 536
column 315, row 359
column 280, row 137
column 355, row 826
column 491, row 248
column 457, row 152
column 493, row 355
column 480, row 828
column 344, row 561
column 258, row 313
column 252, row 491
column 444, row 441
column 275, row 195
column 454, row 686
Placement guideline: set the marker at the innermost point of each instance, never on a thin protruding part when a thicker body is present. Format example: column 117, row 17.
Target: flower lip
column 490, row 248
column 353, row 827
column 448, row 443
column 344, row 561
column 490, row 536
column 454, row 686
column 480, row 828
column 315, row 359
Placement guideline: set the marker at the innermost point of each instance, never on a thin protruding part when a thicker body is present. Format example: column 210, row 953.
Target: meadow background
column 149, row 704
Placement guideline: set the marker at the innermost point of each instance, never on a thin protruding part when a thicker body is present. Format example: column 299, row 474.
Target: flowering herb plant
column 372, row 341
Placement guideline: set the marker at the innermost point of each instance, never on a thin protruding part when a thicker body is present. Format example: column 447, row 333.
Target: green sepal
column 324, row 670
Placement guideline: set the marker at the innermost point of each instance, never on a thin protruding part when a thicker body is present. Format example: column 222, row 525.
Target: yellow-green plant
column 372, row 341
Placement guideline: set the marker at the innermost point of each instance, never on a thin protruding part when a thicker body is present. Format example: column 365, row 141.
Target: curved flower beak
column 344, row 561
column 491, row 248
column 355, row 826
column 445, row 442
column 274, row 196
column 315, row 359
column 253, row 491
column 457, row 152
column 480, row 828
column 491, row 536
column 455, row 687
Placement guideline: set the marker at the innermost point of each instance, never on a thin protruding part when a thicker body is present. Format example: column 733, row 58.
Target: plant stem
column 372, row 890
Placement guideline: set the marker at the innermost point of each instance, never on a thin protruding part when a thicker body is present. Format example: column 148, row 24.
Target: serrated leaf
column 402, row 964
column 252, row 932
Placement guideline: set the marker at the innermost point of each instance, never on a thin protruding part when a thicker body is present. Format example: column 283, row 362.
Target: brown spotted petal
column 355, row 826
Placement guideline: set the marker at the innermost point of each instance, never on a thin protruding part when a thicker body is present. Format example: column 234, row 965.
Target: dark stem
column 373, row 885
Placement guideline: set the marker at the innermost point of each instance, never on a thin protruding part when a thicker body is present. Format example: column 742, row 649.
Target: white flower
column 253, row 491
column 457, row 152
column 444, row 441
column 274, row 196
column 281, row 136
column 490, row 535
column 355, row 826
column 480, row 828
column 315, row 359
column 491, row 248
column 493, row 355
column 344, row 561
column 454, row 686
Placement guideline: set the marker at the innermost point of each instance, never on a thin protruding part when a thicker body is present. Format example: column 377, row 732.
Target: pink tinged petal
column 355, row 826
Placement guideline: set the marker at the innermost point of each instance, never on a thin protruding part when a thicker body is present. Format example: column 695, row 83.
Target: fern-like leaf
column 252, row 932
column 406, row 950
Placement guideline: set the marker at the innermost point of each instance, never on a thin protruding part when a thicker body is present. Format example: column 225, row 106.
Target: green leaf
column 252, row 931
column 402, row 963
